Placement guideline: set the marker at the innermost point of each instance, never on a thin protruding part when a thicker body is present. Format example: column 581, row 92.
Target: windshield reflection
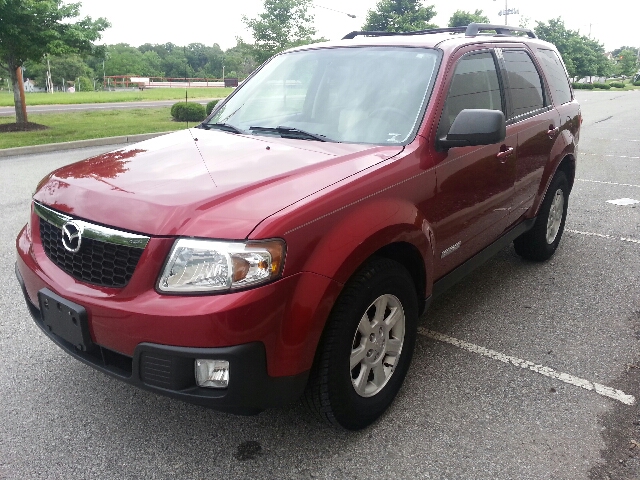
column 358, row 94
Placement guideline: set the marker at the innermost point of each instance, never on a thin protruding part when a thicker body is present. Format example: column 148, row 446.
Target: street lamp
column 506, row 11
column 334, row 10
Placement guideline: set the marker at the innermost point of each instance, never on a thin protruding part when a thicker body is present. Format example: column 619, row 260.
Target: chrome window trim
column 91, row 230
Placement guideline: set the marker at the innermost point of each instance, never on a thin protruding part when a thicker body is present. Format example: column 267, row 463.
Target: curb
column 94, row 142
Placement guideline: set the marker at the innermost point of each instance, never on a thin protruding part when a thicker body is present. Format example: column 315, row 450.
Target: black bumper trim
column 169, row 371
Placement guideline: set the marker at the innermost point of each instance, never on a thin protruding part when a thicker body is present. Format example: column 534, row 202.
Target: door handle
column 504, row 153
column 552, row 132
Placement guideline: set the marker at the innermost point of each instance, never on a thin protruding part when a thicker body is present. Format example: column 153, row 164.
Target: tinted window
column 524, row 83
column 556, row 76
column 474, row 85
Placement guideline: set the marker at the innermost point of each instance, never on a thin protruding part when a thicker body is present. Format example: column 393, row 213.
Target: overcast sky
column 217, row 21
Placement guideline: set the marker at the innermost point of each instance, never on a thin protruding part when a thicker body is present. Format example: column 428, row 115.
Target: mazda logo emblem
column 71, row 236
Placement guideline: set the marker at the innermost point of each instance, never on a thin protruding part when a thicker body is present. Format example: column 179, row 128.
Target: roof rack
column 471, row 30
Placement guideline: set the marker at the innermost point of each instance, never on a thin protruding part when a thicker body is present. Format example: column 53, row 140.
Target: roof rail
column 471, row 30
column 352, row 35
column 474, row 29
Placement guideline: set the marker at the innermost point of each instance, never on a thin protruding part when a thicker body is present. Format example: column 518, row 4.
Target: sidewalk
column 94, row 142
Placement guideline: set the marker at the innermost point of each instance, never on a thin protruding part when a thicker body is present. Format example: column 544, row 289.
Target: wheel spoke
column 393, row 318
column 357, row 355
column 379, row 375
column 381, row 306
column 393, row 347
column 360, row 383
column 364, row 327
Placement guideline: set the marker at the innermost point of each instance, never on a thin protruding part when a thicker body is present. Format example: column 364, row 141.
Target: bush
column 188, row 112
column 583, row 86
column 602, row 86
column 210, row 106
column 617, row 84
column 636, row 84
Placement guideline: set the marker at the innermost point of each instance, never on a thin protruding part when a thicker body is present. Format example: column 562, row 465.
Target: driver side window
column 474, row 85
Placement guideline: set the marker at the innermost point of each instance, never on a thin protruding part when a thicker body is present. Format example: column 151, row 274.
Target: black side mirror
column 475, row 127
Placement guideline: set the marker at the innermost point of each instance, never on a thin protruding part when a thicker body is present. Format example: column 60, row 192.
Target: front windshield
column 358, row 94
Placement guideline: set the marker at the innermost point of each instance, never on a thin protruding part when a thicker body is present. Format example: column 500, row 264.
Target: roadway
column 84, row 107
column 471, row 407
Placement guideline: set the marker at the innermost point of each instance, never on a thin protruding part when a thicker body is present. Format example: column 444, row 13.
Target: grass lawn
column 61, row 98
column 93, row 124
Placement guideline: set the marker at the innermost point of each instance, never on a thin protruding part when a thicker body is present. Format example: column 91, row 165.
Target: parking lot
column 523, row 370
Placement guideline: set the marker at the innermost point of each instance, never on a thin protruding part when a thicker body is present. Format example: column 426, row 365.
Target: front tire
column 366, row 348
column 541, row 242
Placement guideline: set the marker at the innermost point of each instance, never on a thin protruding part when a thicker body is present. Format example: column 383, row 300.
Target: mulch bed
column 21, row 127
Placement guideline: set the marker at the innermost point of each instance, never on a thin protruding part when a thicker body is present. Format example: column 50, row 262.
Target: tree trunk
column 18, row 95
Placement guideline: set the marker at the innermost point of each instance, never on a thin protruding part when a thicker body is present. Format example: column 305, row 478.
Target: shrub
column 617, row 84
column 210, row 106
column 636, row 83
column 188, row 112
column 583, row 86
column 602, row 86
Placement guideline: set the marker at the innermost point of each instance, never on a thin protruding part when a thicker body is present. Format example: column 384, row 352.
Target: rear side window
column 474, row 85
column 525, row 84
column 556, row 76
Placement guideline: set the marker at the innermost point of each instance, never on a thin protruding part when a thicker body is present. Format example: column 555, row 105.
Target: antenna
column 186, row 90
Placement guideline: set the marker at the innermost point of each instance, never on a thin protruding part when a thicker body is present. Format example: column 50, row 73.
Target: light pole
column 506, row 11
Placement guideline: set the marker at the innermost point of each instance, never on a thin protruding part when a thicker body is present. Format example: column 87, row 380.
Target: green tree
column 123, row 59
column 67, row 67
column 583, row 56
column 239, row 61
column 29, row 29
column 462, row 18
column 400, row 16
column 628, row 62
column 283, row 24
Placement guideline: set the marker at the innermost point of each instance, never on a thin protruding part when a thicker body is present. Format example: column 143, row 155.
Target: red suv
column 287, row 245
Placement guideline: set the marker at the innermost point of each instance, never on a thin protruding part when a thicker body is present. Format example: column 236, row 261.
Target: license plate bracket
column 66, row 319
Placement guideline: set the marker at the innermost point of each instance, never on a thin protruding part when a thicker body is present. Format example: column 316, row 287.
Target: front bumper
column 169, row 370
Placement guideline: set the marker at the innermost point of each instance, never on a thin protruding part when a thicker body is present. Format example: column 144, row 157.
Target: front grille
column 99, row 263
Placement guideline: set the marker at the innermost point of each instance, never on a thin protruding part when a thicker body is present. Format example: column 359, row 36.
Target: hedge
column 582, row 86
column 210, row 106
column 188, row 112
column 602, row 86
column 617, row 84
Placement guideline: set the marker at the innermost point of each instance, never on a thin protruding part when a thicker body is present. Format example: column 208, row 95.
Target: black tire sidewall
column 350, row 409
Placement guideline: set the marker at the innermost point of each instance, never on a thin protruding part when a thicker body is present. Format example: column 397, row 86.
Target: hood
column 201, row 183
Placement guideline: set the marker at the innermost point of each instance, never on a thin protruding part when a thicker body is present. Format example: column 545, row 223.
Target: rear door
column 533, row 119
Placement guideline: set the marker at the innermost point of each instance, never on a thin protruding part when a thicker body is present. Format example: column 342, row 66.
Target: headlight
column 201, row 266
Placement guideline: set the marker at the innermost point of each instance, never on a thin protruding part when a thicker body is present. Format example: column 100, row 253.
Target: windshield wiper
column 227, row 127
column 290, row 132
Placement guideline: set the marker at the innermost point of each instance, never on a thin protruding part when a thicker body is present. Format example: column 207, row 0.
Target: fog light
column 212, row 373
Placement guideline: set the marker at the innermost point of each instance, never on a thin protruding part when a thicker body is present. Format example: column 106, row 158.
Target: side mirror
column 475, row 127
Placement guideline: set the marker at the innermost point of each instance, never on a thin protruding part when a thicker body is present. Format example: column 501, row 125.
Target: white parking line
column 607, row 183
column 602, row 235
column 608, row 155
column 603, row 390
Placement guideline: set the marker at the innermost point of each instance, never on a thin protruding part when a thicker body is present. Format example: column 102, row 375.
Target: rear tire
column 541, row 242
column 366, row 348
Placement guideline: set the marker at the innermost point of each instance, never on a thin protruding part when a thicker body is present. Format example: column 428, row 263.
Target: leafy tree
column 123, row 59
column 582, row 55
column 283, row 24
column 67, row 67
column 400, row 16
column 461, row 18
column 240, row 61
column 30, row 29
column 628, row 62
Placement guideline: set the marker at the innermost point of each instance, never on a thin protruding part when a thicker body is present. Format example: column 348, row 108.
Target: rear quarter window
column 556, row 76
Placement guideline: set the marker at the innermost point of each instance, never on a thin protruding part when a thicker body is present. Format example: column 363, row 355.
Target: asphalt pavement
column 522, row 371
